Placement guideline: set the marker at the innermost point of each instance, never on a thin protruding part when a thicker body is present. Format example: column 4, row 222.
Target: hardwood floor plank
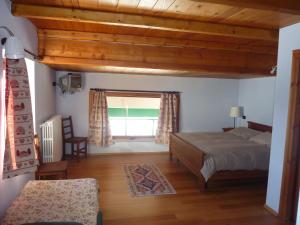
column 234, row 204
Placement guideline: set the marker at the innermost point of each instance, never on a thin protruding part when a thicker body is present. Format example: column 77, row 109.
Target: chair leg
column 64, row 150
column 78, row 152
column 37, row 175
column 85, row 147
column 72, row 149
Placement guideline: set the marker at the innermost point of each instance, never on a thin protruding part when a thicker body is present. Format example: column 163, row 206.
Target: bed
column 63, row 201
column 193, row 154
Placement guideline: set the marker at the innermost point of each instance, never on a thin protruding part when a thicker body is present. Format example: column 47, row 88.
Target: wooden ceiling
column 212, row 38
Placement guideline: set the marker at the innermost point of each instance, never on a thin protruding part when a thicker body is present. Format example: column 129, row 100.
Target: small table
column 225, row 129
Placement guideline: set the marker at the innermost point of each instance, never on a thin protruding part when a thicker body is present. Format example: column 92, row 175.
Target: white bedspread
column 55, row 201
column 226, row 151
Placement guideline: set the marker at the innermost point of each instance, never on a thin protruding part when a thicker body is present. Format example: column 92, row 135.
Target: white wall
column 205, row 102
column 257, row 97
column 289, row 40
column 22, row 28
column 45, row 107
column 45, row 94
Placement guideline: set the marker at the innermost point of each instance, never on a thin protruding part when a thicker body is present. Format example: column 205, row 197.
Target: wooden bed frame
column 192, row 157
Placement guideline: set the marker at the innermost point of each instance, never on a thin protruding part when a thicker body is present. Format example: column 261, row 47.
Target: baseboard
column 126, row 153
column 270, row 210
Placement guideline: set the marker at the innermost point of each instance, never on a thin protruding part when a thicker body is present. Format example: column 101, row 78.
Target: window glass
column 133, row 116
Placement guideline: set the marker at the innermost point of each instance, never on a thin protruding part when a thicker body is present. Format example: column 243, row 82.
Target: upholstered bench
column 56, row 201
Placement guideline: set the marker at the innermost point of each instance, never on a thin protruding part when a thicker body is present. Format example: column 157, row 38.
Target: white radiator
column 51, row 141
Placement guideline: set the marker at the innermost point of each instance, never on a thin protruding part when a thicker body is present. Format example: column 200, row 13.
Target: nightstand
column 225, row 129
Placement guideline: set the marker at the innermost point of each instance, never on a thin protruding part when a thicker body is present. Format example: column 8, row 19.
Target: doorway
column 291, row 174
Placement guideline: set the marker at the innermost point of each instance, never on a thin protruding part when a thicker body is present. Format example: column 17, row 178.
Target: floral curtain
column 99, row 129
column 19, row 154
column 168, row 118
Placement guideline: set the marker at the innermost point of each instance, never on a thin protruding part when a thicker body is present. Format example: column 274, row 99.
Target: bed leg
column 170, row 156
column 202, row 184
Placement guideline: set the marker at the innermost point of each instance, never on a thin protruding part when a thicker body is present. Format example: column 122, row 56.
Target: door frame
column 289, row 175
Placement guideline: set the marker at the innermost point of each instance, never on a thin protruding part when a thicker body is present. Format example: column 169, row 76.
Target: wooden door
column 296, row 194
column 290, row 181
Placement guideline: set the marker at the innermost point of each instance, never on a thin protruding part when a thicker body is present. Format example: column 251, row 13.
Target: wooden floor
column 221, row 205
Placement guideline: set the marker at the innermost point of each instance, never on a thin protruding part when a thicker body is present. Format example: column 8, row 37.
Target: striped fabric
column 99, row 129
column 19, row 155
column 167, row 122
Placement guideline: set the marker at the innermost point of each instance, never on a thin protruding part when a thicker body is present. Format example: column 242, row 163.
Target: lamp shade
column 14, row 48
column 236, row 111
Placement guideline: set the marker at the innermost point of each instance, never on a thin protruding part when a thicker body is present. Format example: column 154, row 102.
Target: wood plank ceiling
column 212, row 38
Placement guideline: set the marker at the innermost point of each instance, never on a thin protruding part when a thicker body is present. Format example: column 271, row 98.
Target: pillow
column 264, row 139
column 244, row 132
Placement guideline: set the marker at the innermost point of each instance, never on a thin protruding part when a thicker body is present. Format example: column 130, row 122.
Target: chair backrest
column 67, row 127
column 37, row 146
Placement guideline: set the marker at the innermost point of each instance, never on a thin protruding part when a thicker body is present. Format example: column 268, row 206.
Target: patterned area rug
column 146, row 180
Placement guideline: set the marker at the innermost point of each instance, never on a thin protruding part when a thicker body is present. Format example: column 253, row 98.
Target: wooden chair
column 57, row 169
column 68, row 137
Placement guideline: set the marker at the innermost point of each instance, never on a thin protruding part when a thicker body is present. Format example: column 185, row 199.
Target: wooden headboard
column 259, row 127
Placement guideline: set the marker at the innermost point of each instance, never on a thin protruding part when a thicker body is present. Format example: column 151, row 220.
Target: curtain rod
column 141, row 91
column 32, row 54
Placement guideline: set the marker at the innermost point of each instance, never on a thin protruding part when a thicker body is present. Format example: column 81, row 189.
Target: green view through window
column 122, row 112
column 133, row 116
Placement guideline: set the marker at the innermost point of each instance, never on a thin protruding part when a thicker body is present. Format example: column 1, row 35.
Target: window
column 2, row 113
column 133, row 116
column 30, row 64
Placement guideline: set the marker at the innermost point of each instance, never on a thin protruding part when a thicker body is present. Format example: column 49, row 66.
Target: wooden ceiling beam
column 285, row 6
column 142, row 21
column 155, row 54
column 251, row 46
column 201, row 61
column 114, row 66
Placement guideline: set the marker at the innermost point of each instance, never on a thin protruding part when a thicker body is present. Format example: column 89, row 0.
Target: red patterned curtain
column 99, row 128
column 19, row 155
column 168, row 118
